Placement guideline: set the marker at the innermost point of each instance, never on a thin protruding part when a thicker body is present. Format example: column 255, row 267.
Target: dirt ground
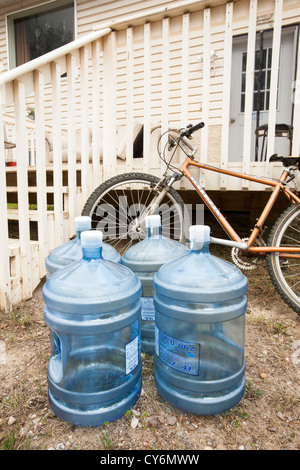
column 267, row 417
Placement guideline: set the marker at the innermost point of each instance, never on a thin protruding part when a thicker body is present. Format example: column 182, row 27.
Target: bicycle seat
column 286, row 161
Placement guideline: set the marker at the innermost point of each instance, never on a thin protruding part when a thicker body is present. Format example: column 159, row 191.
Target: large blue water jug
column 93, row 309
column 200, row 304
column 71, row 251
column 144, row 259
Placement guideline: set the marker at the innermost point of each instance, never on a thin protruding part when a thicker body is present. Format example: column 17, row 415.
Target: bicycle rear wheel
column 117, row 206
column 285, row 271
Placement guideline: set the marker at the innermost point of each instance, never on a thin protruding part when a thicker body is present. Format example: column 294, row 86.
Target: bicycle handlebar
column 191, row 129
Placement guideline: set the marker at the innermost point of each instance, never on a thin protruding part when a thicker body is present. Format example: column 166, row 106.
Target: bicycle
column 124, row 201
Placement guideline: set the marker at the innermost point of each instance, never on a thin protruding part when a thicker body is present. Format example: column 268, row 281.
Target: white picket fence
column 91, row 97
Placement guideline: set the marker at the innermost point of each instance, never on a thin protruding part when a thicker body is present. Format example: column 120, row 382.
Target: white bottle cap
column 200, row 233
column 91, row 239
column 82, row 223
column 153, row 221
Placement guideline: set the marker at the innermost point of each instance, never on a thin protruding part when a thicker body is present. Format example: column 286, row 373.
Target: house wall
column 91, row 16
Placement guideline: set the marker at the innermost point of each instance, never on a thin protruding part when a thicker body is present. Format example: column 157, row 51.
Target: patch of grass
column 144, row 419
column 8, row 442
column 236, row 416
column 20, row 318
column 280, row 328
column 33, row 207
column 106, row 439
column 252, row 393
column 13, row 401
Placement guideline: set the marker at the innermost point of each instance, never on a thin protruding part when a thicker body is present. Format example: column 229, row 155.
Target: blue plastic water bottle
column 71, row 251
column 93, row 309
column 200, row 306
column 144, row 259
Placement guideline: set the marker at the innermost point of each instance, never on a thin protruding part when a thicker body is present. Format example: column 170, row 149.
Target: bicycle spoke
column 291, row 275
column 294, row 228
column 149, row 194
column 113, row 207
column 291, row 238
column 294, row 285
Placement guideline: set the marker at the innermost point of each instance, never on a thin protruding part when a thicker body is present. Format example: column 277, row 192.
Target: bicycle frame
column 278, row 185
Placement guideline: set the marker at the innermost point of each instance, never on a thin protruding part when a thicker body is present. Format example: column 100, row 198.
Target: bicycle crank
column 244, row 260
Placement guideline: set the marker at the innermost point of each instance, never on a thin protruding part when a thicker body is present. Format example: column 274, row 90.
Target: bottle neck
column 78, row 232
column 199, row 247
column 92, row 253
column 154, row 232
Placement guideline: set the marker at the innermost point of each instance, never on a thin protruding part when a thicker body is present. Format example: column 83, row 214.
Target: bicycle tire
column 124, row 186
column 284, row 273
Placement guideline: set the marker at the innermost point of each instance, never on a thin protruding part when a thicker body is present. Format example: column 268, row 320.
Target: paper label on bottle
column 132, row 355
column 180, row 355
column 148, row 310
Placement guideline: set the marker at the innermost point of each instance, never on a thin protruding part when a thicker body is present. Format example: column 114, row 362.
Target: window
column 39, row 31
column 262, row 80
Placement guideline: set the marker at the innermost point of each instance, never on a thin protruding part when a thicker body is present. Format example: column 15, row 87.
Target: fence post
column 165, row 83
column 249, row 90
column 184, row 112
column 226, row 95
column 22, row 175
column 205, row 90
column 129, row 97
column 109, row 106
column 84, row 125
column 274, row 82
column 96, row 171
column 5, row 286
column 41, row 169
column 71, row 143
column 147, row 97
column 57, row 153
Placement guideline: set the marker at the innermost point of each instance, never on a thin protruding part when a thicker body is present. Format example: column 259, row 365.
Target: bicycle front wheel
column 118, row 205
column 285, row 271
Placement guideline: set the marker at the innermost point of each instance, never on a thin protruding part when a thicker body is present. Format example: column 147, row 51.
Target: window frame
column 267, row 70
column 11, row 17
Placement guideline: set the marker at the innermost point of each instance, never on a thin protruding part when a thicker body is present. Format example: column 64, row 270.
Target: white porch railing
column 53, row 98
column 149, row 75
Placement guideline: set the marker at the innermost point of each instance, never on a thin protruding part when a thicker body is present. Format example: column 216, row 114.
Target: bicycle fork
column 155, row 203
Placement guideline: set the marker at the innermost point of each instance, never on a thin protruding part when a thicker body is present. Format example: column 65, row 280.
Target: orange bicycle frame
column 278, row 185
